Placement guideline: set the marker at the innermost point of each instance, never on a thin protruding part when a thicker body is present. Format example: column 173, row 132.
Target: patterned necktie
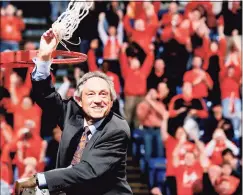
column 82, row 143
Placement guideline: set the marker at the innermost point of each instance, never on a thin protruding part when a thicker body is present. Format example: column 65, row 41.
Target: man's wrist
column 44, row 56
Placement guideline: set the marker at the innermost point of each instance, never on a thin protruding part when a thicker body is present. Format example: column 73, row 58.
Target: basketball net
column 69, row 20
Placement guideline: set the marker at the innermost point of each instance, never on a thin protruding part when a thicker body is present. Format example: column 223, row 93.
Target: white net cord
column 69, row 20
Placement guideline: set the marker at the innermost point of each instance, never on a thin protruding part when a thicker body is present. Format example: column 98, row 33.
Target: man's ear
column 78, row 100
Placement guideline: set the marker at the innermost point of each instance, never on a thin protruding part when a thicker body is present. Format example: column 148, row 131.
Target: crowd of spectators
column 176, row 68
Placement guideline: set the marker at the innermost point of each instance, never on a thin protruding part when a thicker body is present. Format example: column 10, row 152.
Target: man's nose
column 97, row 99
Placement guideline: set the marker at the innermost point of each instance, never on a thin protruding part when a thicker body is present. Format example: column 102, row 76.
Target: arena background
column 195, row 46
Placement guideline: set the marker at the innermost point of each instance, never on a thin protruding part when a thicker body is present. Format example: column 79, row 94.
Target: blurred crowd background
column 176, row 68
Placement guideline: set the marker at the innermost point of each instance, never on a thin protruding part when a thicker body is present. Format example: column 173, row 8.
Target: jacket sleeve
column 51, row 103
column 93, row 168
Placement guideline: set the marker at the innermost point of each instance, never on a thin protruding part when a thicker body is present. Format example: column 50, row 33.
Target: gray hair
column 97, row 74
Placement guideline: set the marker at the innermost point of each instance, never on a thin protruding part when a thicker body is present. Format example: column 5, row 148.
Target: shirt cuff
column 41, row 180
column 41, row 70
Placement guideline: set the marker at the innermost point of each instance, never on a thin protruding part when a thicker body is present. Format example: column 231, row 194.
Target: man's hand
column 181, row 110
column 48, row 44
column 21, row 184
column 192, row 112
column 102, row 16
column 94, row 44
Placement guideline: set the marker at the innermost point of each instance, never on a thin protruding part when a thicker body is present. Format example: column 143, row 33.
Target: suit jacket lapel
column 72, row 128
column 98, row 132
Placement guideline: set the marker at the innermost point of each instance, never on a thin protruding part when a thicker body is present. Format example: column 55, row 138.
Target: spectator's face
column 226, row 169
column 163, row 90
column 26, row 103
column 114, row 4
column 96, row 98
column 217, row 110
column 173, row 8
column 197, row 62
column 152, row 93
column 190, row 159
column 159, row 65
column 105, row 66
column 187, row 89
column 214, row 47
column 139, row 25
column 228, row 158
column 196, row 15
column 231, row 72
column 134, row 64
column 10, row 10
column 112, row 31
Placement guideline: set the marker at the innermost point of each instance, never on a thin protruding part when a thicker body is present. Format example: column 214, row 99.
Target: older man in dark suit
column 91, row 158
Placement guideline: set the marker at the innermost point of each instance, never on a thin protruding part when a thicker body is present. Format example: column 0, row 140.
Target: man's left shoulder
column 119, row 123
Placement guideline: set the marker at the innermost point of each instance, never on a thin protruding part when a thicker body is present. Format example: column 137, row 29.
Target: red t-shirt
column 11, row 28
column 136, row 81
column 21, row 115
column 170, row 144
column 186, row 176
column 199, row 90
column 229, row 85
column 216, row 157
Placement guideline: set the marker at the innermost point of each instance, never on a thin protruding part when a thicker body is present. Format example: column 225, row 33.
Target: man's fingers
column 17, row 189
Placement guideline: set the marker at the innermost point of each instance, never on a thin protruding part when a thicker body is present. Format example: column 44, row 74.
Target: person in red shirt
column 186, row 110
column 113, row 41
column 188, row 172
column 104, row 68
column 26, row 111
column 135, row 78
column 149, row 113
column 170, row 143
column 11, row 27
column 28, row 144
column 235, row 163
column 199, row 79
column 219, row 143
column 144, row 29
column 198, row 42
column 166, row 19
column 230, row 83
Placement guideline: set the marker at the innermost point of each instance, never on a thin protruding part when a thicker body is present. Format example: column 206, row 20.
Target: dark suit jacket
column 102, row 170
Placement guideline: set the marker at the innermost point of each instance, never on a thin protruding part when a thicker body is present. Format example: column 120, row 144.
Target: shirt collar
column 93, row 127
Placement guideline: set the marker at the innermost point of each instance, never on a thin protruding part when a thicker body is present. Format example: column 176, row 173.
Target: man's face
column 139, row 25
column 173, row 7
column 26, row 103
column 196, row 15
column 228, row 158
column 214, row 46
column 10, row 9
column 190, row 159
column 159, row 65
column 162, row 90
column 197, row 62
column 112, row 31
column 134, row 64
column 231, row 72
column 96, row 99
